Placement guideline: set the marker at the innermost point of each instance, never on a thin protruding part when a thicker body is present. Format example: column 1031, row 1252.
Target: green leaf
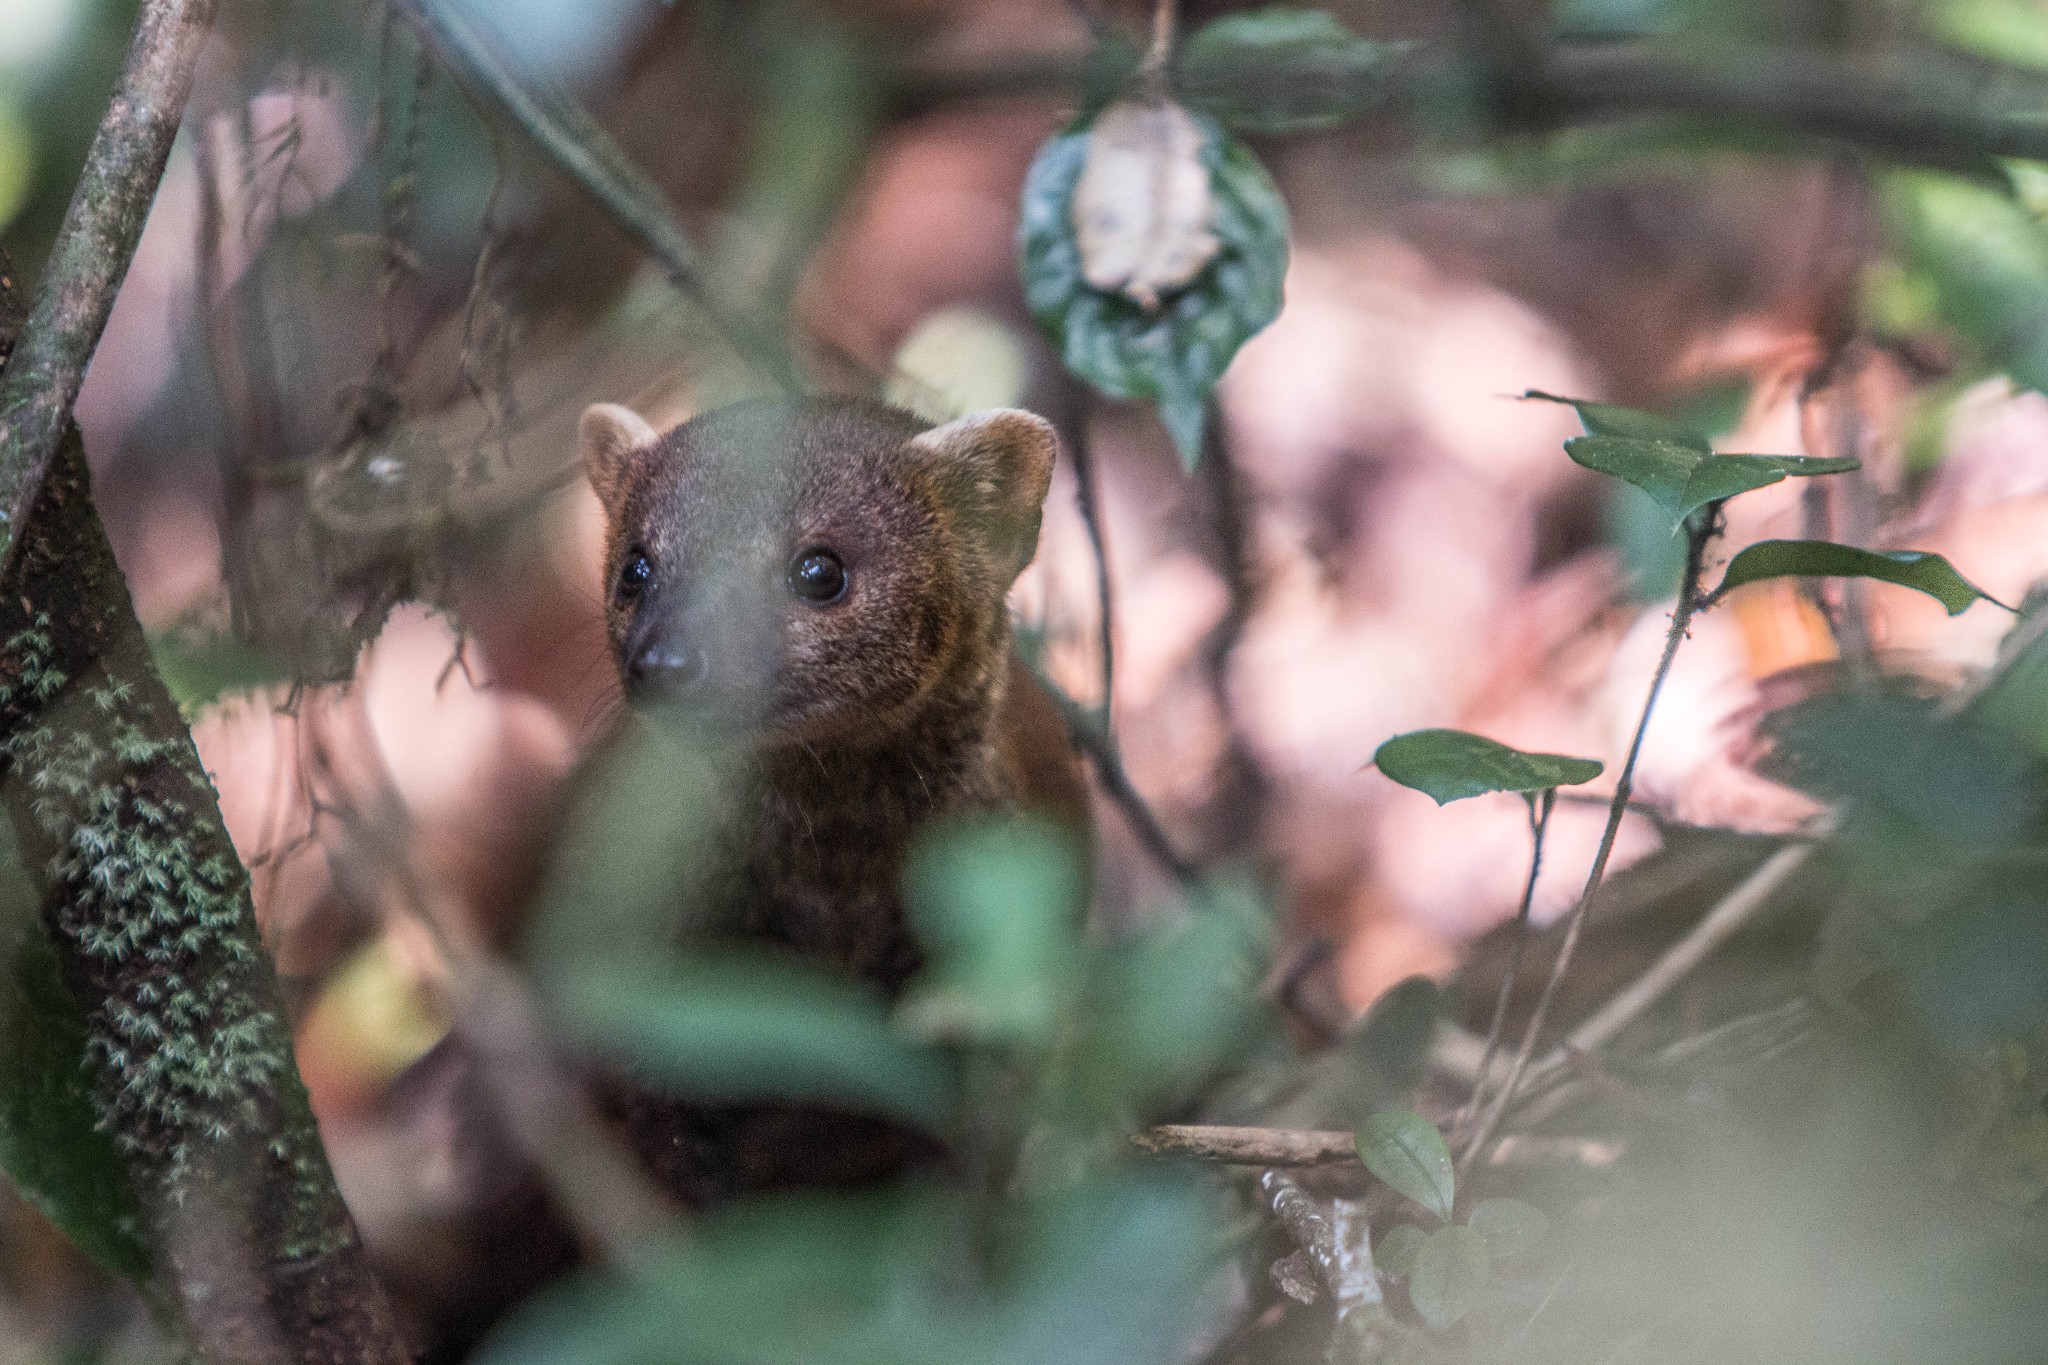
column 1720, row 477
column 1915, row 569
column 753, row 1030
column 1281, row 70
column 1406, row 1151
column 1681, row 480
column 1177, row 999
column 1450, row 765
column 1451, row 1271
column 1607, row 419
column 1660, row 468
column 50, row 1141
column 1976, row 259
column 1173, row 354
column 1509, row 1226
column 998, row 906
column 1396, row 1253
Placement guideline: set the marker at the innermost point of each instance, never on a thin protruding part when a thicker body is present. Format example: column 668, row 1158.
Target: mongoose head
column 813, row 569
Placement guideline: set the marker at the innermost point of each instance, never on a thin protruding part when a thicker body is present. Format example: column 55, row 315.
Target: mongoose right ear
column 608, row 437
column 995, row 467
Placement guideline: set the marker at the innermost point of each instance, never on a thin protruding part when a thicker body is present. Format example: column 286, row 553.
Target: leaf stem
column 1540, row 808
column 1091, row 518
column 1094, row 741
column 1700, row 528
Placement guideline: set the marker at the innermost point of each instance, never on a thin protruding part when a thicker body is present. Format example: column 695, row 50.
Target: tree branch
column 1247, row 1146
column 92, row 252
column 1903, row 112
column 565, row 133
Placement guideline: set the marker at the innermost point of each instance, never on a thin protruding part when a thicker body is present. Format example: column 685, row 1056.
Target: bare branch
column 92, row 252
column 1247, row 1146
column 567, row 135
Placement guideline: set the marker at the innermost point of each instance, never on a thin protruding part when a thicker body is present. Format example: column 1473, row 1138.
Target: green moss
column 187, row 1050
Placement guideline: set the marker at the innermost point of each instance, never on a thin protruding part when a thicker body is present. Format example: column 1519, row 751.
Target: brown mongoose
column 823, row 582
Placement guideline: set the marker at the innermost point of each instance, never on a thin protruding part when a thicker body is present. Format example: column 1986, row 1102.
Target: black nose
column 669, row 670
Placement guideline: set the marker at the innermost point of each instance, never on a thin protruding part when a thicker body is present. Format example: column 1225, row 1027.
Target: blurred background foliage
column 332, row 436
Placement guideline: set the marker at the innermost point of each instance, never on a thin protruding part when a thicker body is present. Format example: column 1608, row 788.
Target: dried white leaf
column 1143, row 211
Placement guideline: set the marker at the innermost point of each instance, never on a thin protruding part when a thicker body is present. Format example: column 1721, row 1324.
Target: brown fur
column 857, row 722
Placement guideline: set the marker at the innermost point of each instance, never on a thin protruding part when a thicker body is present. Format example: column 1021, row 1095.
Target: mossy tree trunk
column 143, row 896
column 149, row 909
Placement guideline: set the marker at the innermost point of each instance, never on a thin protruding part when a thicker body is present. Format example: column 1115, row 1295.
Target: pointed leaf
column 754, row 1030
column 1396, row 1253
column 1606, row 419
column 1173, row 352
column 1915, row 569
column 1660, row 468
column 1451, row 1271
column 1406, row 1151
column 1509, row 1226
column 1720, row 477
column 1449, row 765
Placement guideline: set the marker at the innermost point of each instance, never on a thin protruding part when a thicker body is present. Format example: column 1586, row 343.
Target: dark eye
column 634, row 573
column 817, row 576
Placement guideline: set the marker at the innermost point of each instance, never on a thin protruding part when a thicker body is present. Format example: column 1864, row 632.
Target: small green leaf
column 1173, row 353
column 998, row 906
column 1451, row 1271
column 1509, row 1226
column 1396, row 1253
column 754, row 1030
column 1281, row 70
column 1606, row 419
column 1406, row 1151
column 1681, row 479
column 1450, row 765
column 1915, row 569
column 1660, row 468
column 1720, row 477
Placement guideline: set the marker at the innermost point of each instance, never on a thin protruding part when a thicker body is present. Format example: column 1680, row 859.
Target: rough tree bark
column 142, row 892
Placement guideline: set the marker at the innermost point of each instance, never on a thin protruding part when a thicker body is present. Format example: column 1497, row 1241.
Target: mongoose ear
column 608, row 437
column 995, row 467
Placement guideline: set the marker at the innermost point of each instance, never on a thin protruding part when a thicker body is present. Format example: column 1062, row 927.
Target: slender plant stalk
column 1539, row 824
column 93, row 249
column 1165, row 19
column 1699, row 530
column 1091, row 518
column 1091, row 739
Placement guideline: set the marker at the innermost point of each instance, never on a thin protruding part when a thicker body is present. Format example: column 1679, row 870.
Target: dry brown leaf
column 1143, row 214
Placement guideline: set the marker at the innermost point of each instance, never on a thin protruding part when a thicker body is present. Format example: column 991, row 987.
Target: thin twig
column 565, row 132
column 1247, row 1146
column 1165, row 18
column 1091, row 518
column 1700, row 529
column 91, row 254
column 1735, row 909
column 1090, row 738
column 1539, row 824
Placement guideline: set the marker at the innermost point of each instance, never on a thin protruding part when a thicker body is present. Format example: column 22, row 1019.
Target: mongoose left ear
column 995, row 467
column 607, row 437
